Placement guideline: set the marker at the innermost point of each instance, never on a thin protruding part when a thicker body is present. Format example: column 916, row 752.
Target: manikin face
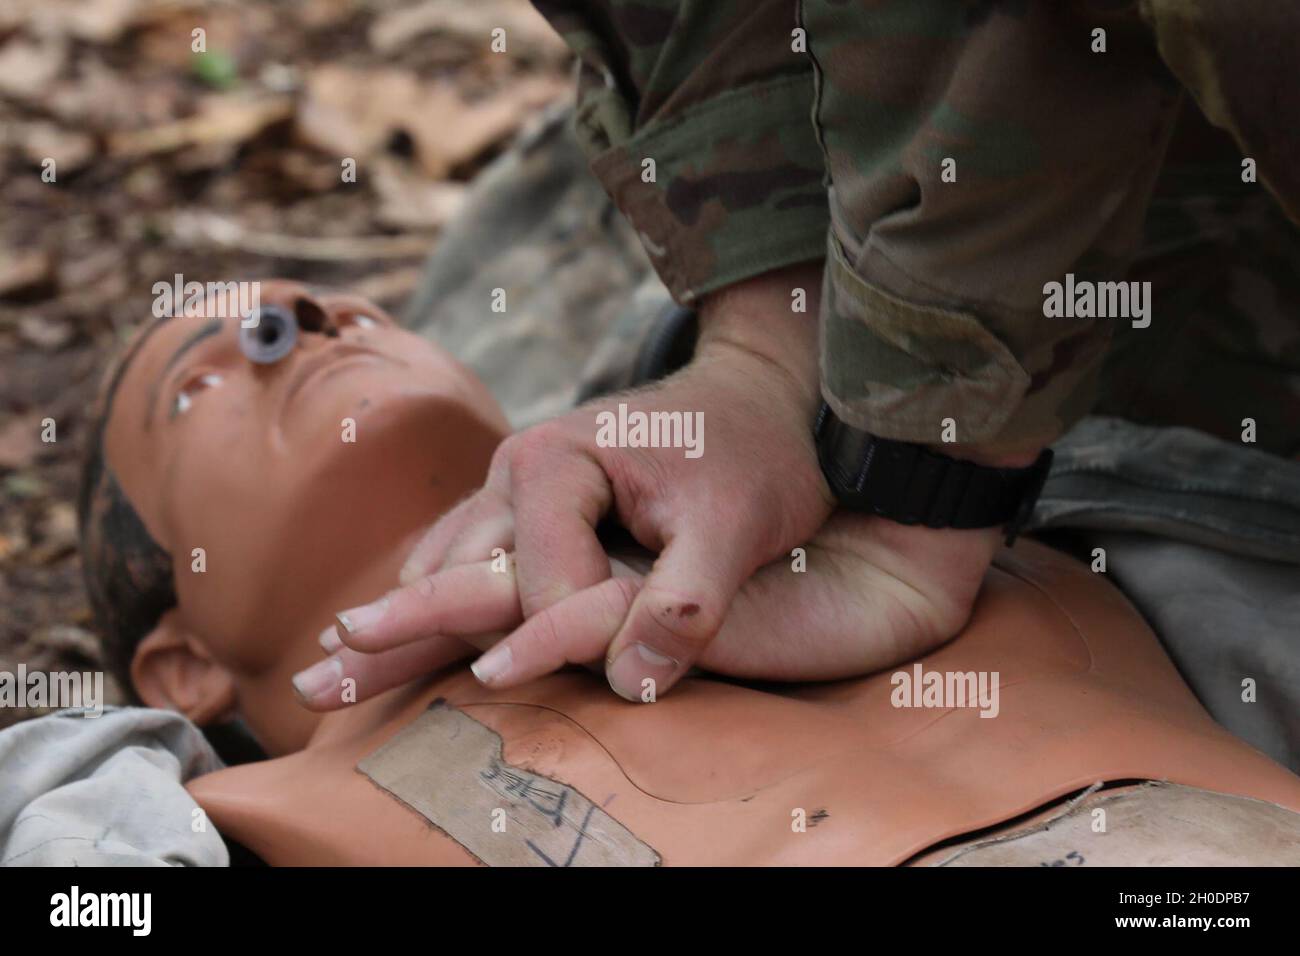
column 282, row 485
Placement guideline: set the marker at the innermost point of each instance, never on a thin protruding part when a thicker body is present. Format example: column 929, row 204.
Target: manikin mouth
column 326, row 361
column 310, row 369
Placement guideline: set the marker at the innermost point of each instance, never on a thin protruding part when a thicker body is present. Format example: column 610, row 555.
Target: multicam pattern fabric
column 783, row 131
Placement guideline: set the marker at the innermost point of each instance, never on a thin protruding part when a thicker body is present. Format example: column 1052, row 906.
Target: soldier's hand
column 754, row 492
column 864, row 594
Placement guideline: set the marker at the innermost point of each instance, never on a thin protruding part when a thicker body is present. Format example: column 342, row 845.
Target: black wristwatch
column 910, row 484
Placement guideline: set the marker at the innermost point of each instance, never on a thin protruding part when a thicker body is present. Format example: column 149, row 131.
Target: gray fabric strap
column 1178, row 483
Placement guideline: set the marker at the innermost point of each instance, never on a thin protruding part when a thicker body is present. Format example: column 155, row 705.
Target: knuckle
column 653, row 475
column 539, row 597
column 642, row 490
column 618, row 594
column 422, row 590
column 410, row 608
column 452, row 524
column 531, row 449
column 427, row 545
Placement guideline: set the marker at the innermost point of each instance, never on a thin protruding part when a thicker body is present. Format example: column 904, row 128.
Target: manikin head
column 245, row 484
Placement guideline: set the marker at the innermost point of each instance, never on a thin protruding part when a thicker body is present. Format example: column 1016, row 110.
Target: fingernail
column 329, row 639
column 493, row 664
column 637, row 664
column 357, row 619
column 319, row 679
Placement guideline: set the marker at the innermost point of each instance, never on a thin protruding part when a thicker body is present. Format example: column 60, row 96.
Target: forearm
column 758, row 317
column 773, row 318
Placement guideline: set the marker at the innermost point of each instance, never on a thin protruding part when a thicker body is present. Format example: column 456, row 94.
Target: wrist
column 755, row 322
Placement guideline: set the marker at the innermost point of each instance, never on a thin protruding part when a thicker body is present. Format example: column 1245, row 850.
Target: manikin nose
column 275, row 332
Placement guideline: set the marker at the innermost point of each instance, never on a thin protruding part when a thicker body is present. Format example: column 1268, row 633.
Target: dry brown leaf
column 210, row 230
column 103, row 21
column 26, row 272
column 71, row 150
column 222, row 118
column 29, row 68
column 48, row 334
column 104, row 98
column 308, row 171
column 321, row 14
column 58, row 533
column 408, row 201
column 526, row 30
column 83, row 271
column 205, row 156
column 350, row 112
column 448, row 132
column 95, row 21
column 356, row 113
column 20, row 441
column 167, row 39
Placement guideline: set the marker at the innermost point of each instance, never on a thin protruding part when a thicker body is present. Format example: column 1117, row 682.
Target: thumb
column 678, row 611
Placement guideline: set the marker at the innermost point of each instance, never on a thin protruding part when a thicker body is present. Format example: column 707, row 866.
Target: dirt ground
column 141, row 139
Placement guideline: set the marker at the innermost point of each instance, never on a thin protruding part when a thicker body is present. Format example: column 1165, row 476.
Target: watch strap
column 910, row 484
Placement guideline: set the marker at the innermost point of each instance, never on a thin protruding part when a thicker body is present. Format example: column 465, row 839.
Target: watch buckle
column 1025, row 510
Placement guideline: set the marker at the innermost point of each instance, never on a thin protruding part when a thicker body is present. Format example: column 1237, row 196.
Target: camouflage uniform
column 1202, row 534
column 767, row 153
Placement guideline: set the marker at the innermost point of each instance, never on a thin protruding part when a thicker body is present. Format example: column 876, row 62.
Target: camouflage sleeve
column 695, row 115
column 977, row 151
column 1239, row 60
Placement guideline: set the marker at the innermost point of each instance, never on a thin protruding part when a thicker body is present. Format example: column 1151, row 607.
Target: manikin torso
column 724, row 773
column 297, row 521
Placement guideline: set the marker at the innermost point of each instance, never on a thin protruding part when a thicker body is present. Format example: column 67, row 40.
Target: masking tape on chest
column 1155, row 824
column 449, row 768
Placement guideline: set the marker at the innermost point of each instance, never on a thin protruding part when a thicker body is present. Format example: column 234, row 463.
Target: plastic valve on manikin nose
column 271, row 335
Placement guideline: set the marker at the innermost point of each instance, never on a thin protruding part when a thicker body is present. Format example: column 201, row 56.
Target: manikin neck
column 267, row 698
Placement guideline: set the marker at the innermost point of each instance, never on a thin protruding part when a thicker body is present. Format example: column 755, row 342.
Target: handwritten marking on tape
column 449, row 768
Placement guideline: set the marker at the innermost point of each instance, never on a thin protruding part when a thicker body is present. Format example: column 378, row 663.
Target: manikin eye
column 185, row 397
column 271, row 337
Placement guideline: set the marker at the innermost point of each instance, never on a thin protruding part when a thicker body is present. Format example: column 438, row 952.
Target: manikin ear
column 172, row 670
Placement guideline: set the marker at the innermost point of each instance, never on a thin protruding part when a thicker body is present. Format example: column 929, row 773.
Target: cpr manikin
column 285, row 487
